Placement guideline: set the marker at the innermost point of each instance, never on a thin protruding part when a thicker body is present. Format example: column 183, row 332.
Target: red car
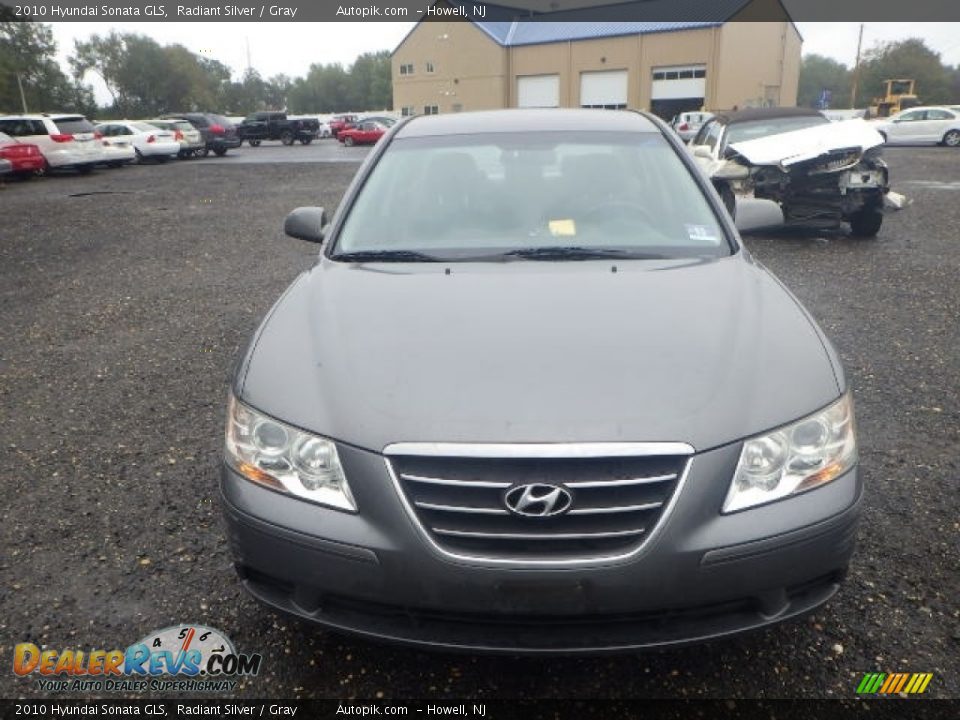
column 339, row 123
column 367, row 132
column 25, row 158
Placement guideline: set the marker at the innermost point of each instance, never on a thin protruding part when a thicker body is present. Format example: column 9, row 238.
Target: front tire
column 287, row 138
column 952, row 138
column 866, row 223
column 254, row 143
column 220, row 152
column 306, row 140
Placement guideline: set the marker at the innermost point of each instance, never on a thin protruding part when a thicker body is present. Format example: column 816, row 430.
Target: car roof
column 750, row 114
column 526, row 120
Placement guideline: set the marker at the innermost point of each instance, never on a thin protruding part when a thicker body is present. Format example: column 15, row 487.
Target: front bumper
column 704, row 576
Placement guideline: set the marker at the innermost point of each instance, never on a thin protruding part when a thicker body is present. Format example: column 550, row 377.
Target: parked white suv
column 66, row 141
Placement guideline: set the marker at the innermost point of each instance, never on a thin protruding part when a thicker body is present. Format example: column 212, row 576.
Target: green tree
column 145, row 78
column 28, row 52
column 332, row 88
column 908, row 59
column 819, row 73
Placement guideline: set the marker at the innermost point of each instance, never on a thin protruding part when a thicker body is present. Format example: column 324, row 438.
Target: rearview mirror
column 306, row 223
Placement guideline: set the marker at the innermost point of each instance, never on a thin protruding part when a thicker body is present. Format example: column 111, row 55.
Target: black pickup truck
column 277, row 126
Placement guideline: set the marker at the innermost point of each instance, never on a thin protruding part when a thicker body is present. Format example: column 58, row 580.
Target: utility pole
column 248, row 55
column 23, row 98
column 856, row 71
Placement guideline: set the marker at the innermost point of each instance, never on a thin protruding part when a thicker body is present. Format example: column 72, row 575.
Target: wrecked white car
column 821, row 173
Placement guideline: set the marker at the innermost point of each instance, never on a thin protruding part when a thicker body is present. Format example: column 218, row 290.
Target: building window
column 699, row 73
column 660, row 75
column 431, row 110
column 429, row 67
column 406, row 69
column 407, row 111
column 611, row 106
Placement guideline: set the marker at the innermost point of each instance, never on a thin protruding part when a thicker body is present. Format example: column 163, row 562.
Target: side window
column 913, row 116
column 939, row 115
column 701, row 137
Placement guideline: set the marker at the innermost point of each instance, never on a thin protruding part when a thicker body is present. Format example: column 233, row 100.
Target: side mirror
column 702, row 151
column 306, row 223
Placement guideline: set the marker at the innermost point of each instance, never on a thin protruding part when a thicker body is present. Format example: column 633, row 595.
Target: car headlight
column 280, row 457
column 801, row 456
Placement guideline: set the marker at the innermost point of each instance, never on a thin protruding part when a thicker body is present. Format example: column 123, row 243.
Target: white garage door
column 538, row 91
column 679, row 81
column 606, row 89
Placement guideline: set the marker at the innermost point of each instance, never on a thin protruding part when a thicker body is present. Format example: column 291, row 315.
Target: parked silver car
column 536, row 396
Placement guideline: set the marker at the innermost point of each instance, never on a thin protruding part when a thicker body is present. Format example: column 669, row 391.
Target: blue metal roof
column 538, row 32
column 512, row 26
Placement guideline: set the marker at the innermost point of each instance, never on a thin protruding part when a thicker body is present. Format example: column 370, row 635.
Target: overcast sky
column 291, row 47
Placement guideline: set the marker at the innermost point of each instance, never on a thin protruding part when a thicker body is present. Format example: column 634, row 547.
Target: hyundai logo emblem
column 538, row 500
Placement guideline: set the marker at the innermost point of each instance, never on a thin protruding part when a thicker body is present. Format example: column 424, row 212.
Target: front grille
column 462, row 503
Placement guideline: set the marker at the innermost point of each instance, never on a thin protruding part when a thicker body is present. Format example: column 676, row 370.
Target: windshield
column 743, row 131
column 73, row 125
column 474, row 196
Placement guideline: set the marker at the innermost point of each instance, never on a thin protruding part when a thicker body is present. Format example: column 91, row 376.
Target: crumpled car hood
column 799, row 145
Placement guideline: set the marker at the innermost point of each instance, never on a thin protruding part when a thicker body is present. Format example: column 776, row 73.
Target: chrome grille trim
column 539, row 536
column 525, row 450
column 620, row 483
column 460, row 509
column 455, row 483
column 620, row 509
column 539, row 450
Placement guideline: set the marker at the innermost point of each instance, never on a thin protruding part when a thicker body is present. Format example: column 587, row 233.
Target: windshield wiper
column 385, row 256
column 575, row 252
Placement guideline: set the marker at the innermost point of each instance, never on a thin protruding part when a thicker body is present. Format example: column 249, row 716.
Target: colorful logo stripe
column 894, row 683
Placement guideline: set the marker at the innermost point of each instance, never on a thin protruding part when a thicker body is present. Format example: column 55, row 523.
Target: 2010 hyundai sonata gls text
column 535, row 396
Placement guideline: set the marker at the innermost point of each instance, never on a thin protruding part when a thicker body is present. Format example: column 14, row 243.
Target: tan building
column 667, row 67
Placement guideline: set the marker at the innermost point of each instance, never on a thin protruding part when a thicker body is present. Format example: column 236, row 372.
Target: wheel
column 866, row 222
column 306, row 140
column 348, row 141
column 952, row 138
column 24, row 175
column 254, row 143
column 162, row 158
column 286, row 137
column 205, row 152
column 220, row 152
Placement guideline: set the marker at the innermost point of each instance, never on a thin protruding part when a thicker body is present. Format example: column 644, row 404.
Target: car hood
column 698, row 352
column 799, row 145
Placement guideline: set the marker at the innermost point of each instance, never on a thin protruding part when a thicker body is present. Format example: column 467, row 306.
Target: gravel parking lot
column 125, row 296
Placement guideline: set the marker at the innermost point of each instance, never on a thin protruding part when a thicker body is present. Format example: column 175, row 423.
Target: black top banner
column 512, row 10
